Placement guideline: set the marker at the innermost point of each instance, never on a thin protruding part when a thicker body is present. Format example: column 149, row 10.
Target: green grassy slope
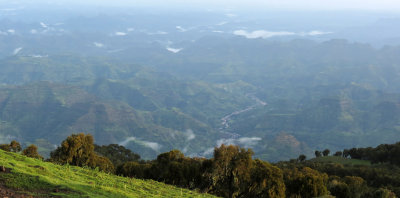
column 340, row 160
column 44, row 179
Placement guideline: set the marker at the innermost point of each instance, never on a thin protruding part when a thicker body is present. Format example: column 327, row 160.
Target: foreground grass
column 341, row 160
column 44, row 179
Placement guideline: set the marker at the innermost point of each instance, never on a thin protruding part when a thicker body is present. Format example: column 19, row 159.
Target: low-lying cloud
column 152, row 145
column 181, row 28
column 190, row 135
column 38, row 56
column 243, row 141
column 268, row 34
column 261, row 34
column 17, row 50
column 97, row 44
column 218, row 31
column 126, row 141
column 120, row 34
column 248, row 141
column 317, row 33
column 174, row 50
column 7, row 32
column 43, row 25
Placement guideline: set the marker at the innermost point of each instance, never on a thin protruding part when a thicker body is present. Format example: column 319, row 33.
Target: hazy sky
column 393, row 5
column 285, row 4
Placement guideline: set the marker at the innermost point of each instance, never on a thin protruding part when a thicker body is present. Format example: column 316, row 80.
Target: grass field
column 341, row 160
column 44, row 179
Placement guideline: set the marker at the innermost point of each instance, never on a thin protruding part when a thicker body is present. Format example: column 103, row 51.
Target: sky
column 281, row 4
column 378, row 5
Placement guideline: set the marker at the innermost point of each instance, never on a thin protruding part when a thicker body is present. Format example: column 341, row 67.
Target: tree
column 15, row 146
column 302, row 158
column 338, row 154
column 168, row 167
column 346, row 153
column 355, row 153
column 135, row 169
column 174, row 168
column 103, row 164
column 384, row 193
column 357, row 186
column 318, row 154
column 339, row 189
column 266, row 181
column 117, row 154
column 5, row 147
column 78, row 150
column 31, row 151
column 326, row 152
column 230, row 172
column 305, row 182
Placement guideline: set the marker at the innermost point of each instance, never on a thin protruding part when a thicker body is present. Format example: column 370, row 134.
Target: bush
column 14, row 146
column 305, row 182
column 31, row 151
column 5, row 147
column 78, row 150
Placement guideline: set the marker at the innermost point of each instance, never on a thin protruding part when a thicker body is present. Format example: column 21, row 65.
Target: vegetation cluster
column 232, row 172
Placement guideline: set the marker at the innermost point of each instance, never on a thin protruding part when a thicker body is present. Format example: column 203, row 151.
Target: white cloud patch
column 218, row 31
column 11, row 31
column 120, row 34
column 261, row 34
column 33, row 31
column 225, row 141
column 43, row 25
column 249, row 141
column 99, row 45
column 184, row 150
column 127, row 140
column 130, row 29
column 190, row 135
column 244, row 141
column 174, row 50
column 268, row 34
column 317, row 33
column 208, row 152
column 38, row 56
column 181, row 29
column 17, row 50
column 152, row 145
column 161, row 32
column 157, row 33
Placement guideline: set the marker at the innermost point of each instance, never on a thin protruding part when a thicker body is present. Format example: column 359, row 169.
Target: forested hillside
column 154, row 89
column 231, row 172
